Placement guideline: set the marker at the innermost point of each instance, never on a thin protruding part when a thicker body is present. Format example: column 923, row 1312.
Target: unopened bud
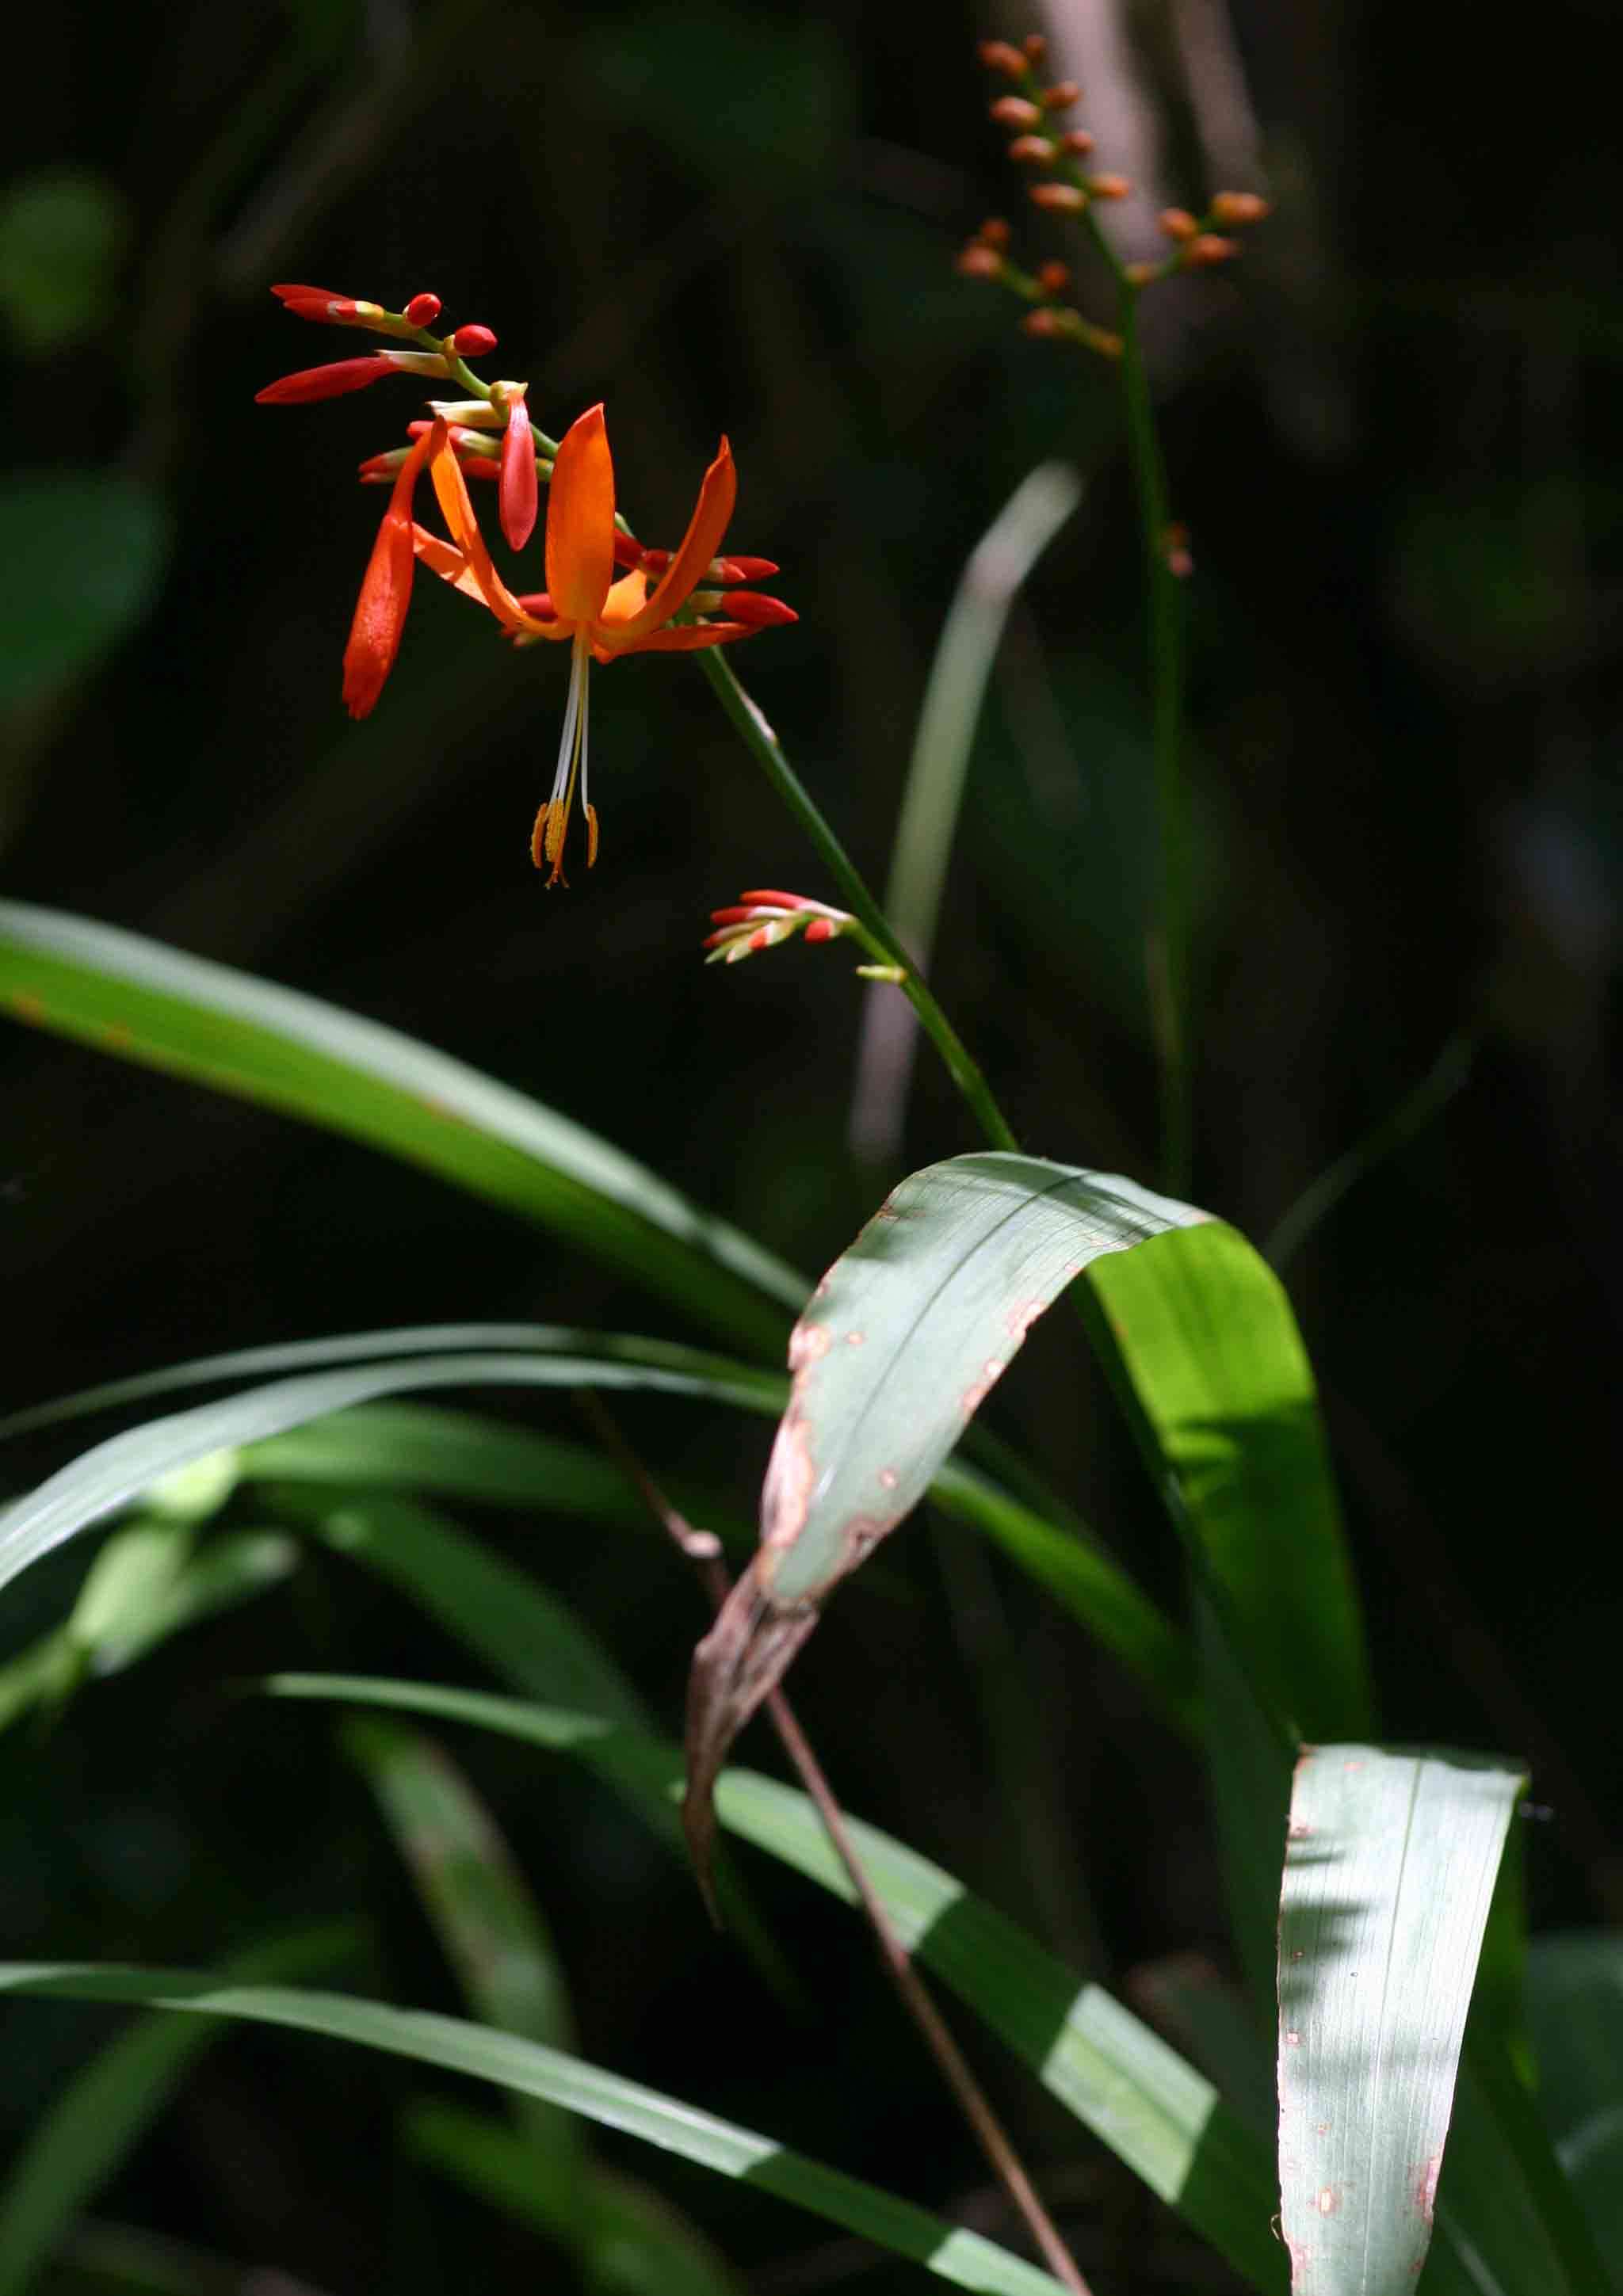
column 1033, row 150
column 329, row 310
column 1042, row 322
column 1237, row 207
column 423, row 311
column 1035, row 47
column 379, row 470
column 516, row 503
column 1175, row 545
column 768, row 898
column 1001, row 56
column 1177, row 223
column 1078, row 141
column 891, row 972
column 978, row 261
column 758, row 609
column 1061, row 95
column 1054, row 278
column 1139, row 274
column 1014, row 111
column 1207, row 248
column 312, row 383
column 1108, row 187
column 821, row 928
column 732, row 571
column 474, row 343
column 1064, row 198
column 994, row 231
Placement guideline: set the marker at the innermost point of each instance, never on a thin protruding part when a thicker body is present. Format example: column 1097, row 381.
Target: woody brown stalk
column 703, row 1550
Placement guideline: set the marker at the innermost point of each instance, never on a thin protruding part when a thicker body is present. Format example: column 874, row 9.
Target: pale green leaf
column 528, row 2068
column 1389, row 1869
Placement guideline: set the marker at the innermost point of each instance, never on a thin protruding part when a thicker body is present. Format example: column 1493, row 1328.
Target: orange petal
column 682, row 637
column 451, row 488
column 385, row 594
column 627, row 598
column 709, row 522
column 581, row 520
column 445, row 560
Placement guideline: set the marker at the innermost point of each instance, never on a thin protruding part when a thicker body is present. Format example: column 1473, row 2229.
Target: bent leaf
column 1160, row 2117
column 902, row 1340
column 528, row 2068
column 1389, row 1870
column 237, row 1034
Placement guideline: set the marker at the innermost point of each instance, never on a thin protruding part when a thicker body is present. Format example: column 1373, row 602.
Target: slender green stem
column 1169, row 945
column 764, row 746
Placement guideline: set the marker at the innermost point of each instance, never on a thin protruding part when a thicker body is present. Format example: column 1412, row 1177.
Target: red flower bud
column 1000, row 55
column 1054, row 278
column 1064, row 197
column 1014, row 111
column 1108, row 187
column 1033, row 150
column 820, row 929
column 994, row 231
column 385, row 594
column 743, row 570
column 326, row 381
column 287, row 294
column 979, row 261
column 756, row 608
column 1036, row 46
column 473, row 343
column 517, row 500
column 778, row 900
column 629, row 551
column 1177, row 223
column 1063, row 94
column 1208, row 248
column 423, row 311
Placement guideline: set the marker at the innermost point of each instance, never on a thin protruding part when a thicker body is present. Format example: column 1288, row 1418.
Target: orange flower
column 385, row 593
column 600, row 617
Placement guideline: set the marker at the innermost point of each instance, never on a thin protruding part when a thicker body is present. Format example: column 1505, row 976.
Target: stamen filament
column 571, row 760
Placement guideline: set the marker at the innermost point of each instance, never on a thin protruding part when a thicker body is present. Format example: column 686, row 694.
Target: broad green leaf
column 145, row 1002
column 1158, row 2115
column 1389, row 1870
column 107, row 2108
column 1575, row 2006
column 902, row 1340
column 639, row 2245
column 1095, row 1589
column 97, row 541
column 1218, row 1370
column 113, row 1472
column 527, row 2069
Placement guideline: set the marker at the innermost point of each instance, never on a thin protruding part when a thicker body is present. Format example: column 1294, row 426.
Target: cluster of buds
column 1065, row 182
column 762, row 920
column 663, row 601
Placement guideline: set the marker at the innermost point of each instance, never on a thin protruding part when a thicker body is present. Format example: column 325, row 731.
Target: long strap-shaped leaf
column 1154, row 2111
column 901, row 1342
column 530, row 2070
column 1389, row 1870
column 136, row 998
column 1095, row 1590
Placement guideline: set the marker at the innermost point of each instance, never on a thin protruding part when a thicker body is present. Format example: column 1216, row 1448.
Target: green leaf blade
column 1389, row 1872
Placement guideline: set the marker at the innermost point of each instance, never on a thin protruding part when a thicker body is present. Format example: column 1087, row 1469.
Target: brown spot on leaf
column 808, row 1343
column 855, row 1339
column 1298, row 1829
column 791, row 1477
column 1021, row 1317
column 888, row 1477
column 1293, row 2040
column 1327, row 2200
column 1423, row 2186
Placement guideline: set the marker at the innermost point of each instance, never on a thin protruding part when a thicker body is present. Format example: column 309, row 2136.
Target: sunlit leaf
column 527, row 2069
column 1389, row 1869
column 902, row 1340
column 1154, row 2111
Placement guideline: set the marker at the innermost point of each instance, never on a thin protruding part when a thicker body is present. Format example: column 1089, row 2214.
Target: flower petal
column 711, row 513
column 385, row 594
column 451, row 488
column 680, row 637
column 518, row 490
column 581, row 520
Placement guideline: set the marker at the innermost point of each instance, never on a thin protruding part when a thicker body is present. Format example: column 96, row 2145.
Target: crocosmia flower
column 583, row 605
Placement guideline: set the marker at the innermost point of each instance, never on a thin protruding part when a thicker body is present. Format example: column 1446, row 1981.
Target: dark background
column 1391, row 431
